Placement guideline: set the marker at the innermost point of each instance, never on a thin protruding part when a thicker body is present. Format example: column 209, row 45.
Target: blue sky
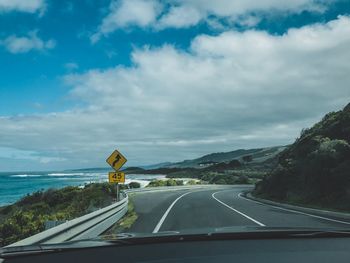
column 66, row 66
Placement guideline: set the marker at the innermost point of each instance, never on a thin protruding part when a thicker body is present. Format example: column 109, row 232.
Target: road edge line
column 235, row 210
column 295, row 211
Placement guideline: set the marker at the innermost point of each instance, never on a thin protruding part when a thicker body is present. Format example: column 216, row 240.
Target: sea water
column 15, row 185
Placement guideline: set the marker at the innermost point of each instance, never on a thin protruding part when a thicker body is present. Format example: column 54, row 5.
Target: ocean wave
column 65, row 174
column 96, row 174
column 26, row 175
column 79, row 179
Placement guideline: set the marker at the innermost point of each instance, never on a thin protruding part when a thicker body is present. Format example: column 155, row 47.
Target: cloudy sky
column 164, row 80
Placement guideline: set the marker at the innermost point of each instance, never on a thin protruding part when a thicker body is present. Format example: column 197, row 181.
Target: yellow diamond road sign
column 116, row 160
column 116, row 177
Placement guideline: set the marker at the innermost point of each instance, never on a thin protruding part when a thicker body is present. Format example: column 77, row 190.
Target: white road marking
column 242, row 214
column 295, row 211
column 161, row 221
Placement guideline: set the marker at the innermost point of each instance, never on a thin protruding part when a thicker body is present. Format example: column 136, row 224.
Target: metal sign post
column 116, row 160
column 117, row 190
column 116, row 177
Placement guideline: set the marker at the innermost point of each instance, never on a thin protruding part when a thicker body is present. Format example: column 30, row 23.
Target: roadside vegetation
column 169, row 182
column 315, row 170
column 241, row 175
column 243, row 171
column 207, row 178
column 28, row 216
column 126, row 222
column 194, row 182
column 134, row 185
column 226, row 178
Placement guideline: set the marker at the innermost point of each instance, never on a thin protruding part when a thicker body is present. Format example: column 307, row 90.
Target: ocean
column 15, row 185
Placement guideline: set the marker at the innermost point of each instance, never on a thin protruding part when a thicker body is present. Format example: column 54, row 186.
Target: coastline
column 14, row 186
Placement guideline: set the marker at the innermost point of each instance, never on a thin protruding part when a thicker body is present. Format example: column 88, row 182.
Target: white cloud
column 22, row 44
column 29, row 6
column 185, row 13
column 71, row 66
column 127, row 13
column 180, row 16
column 234, row 90
column 248, row 21
column 17, row 154
column 231, row 8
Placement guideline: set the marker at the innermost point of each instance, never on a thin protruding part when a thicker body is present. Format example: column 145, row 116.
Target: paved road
column 215, row 207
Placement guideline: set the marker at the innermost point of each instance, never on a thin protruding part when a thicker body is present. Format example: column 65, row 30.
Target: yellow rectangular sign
column 116, row 177
column 116, row 160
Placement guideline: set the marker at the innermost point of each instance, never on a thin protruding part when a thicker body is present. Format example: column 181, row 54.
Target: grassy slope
column 126, row 222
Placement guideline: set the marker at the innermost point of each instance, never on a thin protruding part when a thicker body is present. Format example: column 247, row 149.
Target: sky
column 164, row 80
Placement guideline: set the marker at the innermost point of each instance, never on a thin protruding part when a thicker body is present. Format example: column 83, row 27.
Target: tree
column 247, row 158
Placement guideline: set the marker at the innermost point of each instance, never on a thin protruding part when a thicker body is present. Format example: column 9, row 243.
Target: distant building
column 207, row 163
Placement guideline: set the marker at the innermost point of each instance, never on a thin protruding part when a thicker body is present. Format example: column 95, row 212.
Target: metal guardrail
column 84, row 227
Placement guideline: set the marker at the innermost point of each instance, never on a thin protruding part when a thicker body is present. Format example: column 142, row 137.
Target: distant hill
column 132, row 170
column 155, row 166
column 257, row 156
column 315, row 170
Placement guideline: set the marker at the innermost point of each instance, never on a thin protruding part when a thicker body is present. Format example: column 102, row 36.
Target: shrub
column 134, row 185
column 179, row 182
column 221, row 181
column 171, row 182
column 191, row 182
column 243, row 179
column 156, row 183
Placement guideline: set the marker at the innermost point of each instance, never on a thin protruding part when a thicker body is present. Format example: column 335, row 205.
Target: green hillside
column 258, row 155
column 315, row 170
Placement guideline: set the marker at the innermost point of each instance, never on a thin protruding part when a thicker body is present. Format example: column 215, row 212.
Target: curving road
column 216, row 207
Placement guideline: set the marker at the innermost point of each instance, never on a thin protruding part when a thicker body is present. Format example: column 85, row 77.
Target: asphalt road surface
column 216, row 207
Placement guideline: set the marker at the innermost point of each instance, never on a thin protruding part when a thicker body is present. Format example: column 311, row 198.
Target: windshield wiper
column 328, row 233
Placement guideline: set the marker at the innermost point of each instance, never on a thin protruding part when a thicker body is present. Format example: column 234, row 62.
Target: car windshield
column 126, row 120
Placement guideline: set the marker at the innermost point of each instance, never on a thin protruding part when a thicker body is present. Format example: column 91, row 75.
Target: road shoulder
column 312, row 211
